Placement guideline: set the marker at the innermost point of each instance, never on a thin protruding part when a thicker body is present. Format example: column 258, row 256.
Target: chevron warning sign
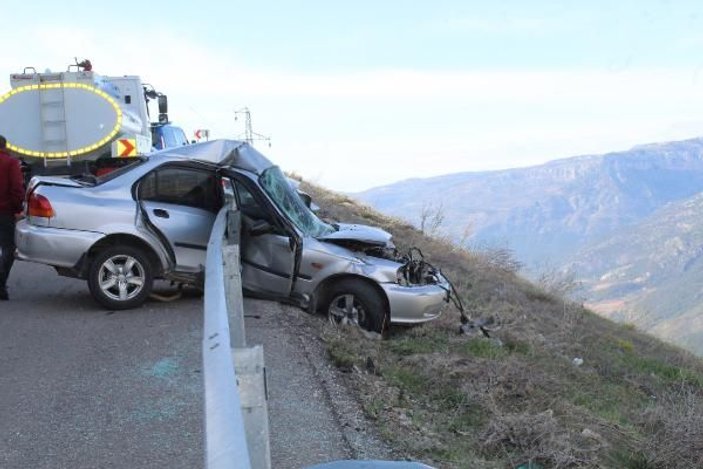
column 202, row 134
column 126, row 147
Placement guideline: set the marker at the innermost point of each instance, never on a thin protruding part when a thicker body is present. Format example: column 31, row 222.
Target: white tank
column 68, row 114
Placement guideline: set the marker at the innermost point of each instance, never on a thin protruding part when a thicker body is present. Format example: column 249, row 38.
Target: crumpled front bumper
column 416, row 303
column 52, row 246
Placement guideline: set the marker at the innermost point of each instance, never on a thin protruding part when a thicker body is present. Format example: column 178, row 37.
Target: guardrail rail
column 236, row 415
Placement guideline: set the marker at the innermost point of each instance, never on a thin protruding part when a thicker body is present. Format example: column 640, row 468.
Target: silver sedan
column 152, row 219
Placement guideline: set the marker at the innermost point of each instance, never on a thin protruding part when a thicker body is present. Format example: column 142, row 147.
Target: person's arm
column 16, row 187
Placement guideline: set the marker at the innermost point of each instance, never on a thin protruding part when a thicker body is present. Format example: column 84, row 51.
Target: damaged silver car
column 152, row 219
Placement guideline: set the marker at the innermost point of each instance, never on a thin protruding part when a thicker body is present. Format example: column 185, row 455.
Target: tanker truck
column 78, row 121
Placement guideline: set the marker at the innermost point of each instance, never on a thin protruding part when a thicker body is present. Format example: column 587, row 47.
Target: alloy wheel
column 347, row 309
column 121, row 277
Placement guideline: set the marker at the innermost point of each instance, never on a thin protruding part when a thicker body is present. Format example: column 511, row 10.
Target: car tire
column 356, row 302
column 120, row 277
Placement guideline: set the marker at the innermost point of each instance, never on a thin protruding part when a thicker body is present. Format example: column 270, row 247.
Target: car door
column 180, row 204
column 268, row 250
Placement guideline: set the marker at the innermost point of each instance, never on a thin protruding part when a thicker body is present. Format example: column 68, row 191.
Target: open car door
column 268, row 249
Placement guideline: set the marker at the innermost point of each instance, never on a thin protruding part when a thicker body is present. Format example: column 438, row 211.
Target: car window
column 182, row 186
column 248, row 204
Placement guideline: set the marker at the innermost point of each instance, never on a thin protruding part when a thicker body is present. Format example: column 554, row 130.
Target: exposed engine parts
column 415, row 270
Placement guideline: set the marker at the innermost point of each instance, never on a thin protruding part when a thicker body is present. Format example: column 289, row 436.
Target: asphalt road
column 313, row 418
column 83, row 387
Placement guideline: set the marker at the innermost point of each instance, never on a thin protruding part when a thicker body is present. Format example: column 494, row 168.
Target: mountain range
column 625, row 223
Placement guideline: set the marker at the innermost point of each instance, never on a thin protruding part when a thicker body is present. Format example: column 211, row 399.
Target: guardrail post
column 251, row 379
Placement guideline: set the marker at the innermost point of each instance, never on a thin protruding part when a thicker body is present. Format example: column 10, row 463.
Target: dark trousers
column 7, row 246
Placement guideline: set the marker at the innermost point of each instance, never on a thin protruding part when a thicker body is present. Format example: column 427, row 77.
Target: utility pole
column 249, row 135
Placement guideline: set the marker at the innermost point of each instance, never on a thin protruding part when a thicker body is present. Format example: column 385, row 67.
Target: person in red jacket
column 11, row 196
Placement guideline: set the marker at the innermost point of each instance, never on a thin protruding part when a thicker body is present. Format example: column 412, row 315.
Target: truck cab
column 167, row 136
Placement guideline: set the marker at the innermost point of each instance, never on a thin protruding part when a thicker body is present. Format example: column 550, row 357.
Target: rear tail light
column 39, row 206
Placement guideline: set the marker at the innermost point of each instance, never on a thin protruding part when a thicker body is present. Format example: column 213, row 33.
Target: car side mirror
column 306, row 198
column 261, row 227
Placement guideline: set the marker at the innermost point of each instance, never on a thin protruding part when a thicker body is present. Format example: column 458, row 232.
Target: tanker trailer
column 59, row 123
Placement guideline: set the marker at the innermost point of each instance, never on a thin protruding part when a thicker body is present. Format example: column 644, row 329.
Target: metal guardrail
column 236, row 415
column 236, row 418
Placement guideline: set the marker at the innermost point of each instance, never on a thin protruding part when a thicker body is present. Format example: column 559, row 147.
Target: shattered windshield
column 289, row 202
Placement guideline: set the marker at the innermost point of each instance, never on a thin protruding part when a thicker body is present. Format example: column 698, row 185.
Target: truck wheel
column 356, row 302
column 120, row 277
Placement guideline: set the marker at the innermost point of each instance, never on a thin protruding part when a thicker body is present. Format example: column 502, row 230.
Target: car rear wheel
column 120, row 277
column 356, row 302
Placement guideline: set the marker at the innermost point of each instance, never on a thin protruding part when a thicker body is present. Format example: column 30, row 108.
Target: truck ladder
column 53, row 124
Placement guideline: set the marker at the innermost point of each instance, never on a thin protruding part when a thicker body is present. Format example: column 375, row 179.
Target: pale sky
column 365, row 93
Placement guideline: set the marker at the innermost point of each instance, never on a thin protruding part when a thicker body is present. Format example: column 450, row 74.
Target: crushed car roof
column 223, row 152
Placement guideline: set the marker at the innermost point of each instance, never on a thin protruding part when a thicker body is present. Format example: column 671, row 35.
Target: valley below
column 625, row 227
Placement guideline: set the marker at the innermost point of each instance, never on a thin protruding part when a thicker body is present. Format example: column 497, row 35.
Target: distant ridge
column 618, row 215
column 547, row 212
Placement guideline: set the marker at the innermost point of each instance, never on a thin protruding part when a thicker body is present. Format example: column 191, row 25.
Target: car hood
column 360, row 233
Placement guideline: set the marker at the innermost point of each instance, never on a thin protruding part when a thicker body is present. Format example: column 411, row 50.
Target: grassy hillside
column 457, row 401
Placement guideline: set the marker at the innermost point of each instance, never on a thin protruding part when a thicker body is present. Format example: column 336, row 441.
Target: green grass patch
column 612, row 401
column 628, row 460
column 341, row 354
column 408, row 379
column 448, row 397
column 374, row 407
column 416, row 345
column 625, row 345
column 483, row 348
column 624, row 356
column 518, row 347
column 466, row 419
column 668, row 374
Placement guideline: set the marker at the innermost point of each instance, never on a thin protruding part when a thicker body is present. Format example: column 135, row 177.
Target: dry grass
column 674, row 424
column 456, row 401
column 540, row 438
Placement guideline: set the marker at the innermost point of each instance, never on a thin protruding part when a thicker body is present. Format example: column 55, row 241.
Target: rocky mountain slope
column 651, row 273
column 545, row 213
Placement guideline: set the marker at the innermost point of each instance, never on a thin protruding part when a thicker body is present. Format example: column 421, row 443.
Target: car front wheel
column 356, row 302
column 120, row 277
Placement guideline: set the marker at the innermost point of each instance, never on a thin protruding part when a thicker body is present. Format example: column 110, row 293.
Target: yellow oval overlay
column 36, row 117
